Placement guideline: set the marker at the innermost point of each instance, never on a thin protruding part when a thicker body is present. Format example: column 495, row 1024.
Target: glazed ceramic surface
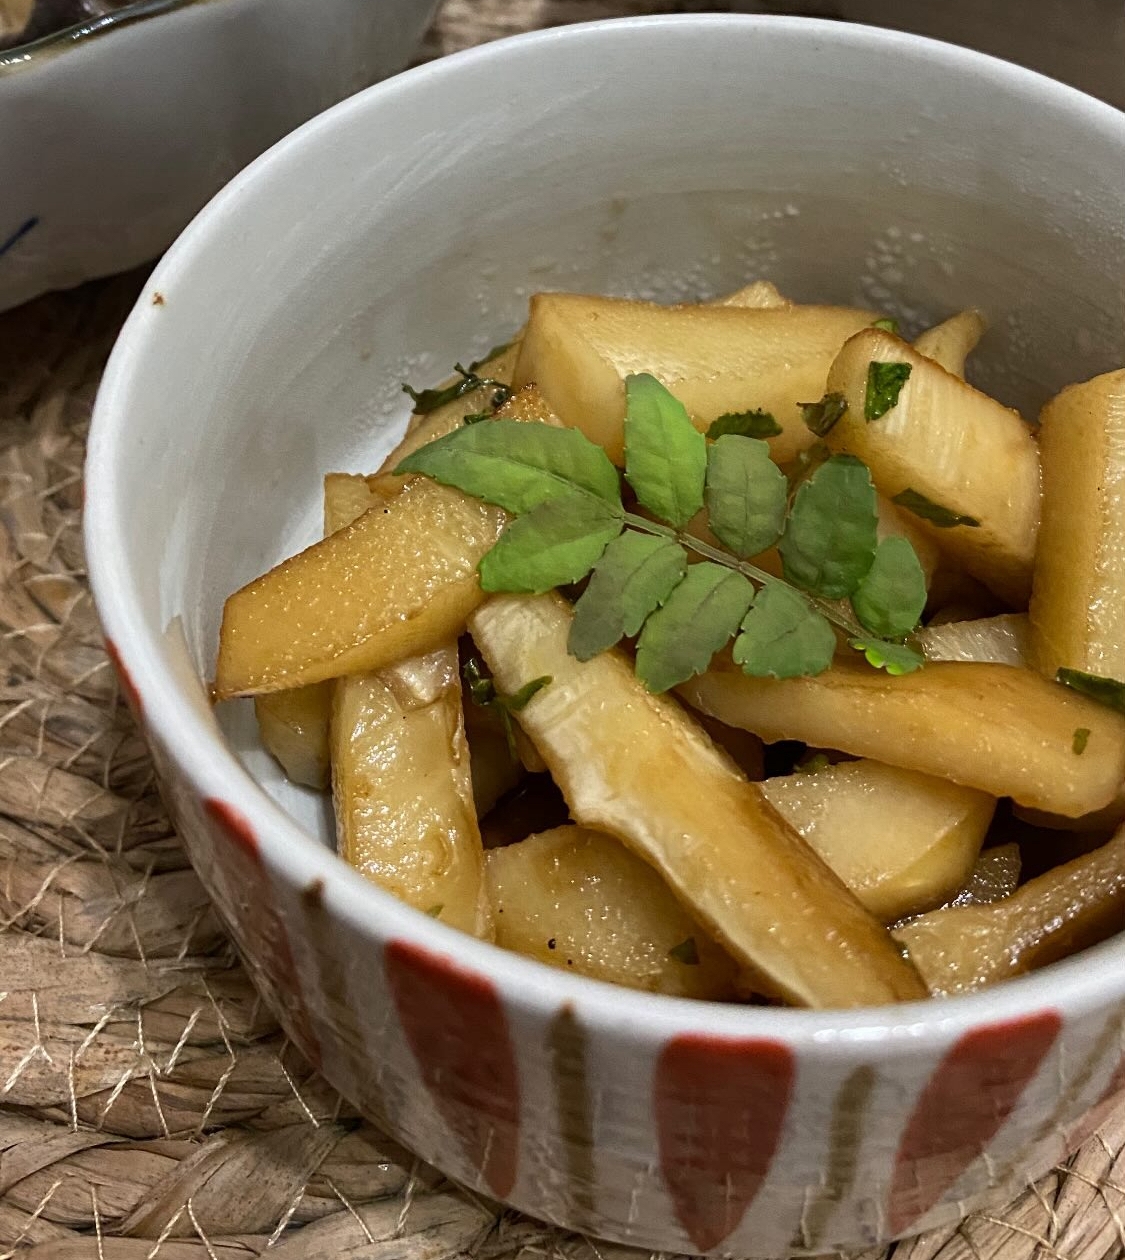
column 114, row 134
column 670, row 158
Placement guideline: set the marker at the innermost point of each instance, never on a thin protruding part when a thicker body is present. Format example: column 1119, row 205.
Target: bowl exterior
column 403, row 230
column 693, row 1141
column 110, row 143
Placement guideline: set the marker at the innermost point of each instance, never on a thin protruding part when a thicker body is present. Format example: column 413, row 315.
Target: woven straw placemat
column 149, row 1106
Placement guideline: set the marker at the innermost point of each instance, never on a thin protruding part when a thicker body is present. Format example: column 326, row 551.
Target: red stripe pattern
column 259, row 923
column 128, row 686
column 720, row 1105
column 966, row 1102
column 457, row 1030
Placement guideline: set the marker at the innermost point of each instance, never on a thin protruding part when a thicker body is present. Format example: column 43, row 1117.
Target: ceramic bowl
column 115, row 133
column 667, row 157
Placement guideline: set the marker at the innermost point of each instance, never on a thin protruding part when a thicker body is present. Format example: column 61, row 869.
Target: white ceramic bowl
column 113, row 134
column 405, row 229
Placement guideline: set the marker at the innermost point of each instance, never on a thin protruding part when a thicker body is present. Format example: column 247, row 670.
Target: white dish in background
column 115, row 133
column 673, row 157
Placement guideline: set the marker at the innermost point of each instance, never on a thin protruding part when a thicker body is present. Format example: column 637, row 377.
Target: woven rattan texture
column 149, row 1106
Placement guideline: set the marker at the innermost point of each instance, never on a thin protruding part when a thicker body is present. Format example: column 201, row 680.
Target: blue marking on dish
column 18, row 235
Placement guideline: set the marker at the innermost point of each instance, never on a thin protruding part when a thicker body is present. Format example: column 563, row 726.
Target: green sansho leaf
column 887, row 325
column 896, row 658
column 821, row 417
column 783, row 637
column 884, row 384
column 829, row 540
column 482, row 690
column 890, row 599
column 700, row 616
column 916, row 502
column 746, row 495
column 754, row 424
column 516, row 465
column 636, row 574
column 556, row 543
column 1107, row 691
column 1081, row 739
column 665, row 455
column 686, row 952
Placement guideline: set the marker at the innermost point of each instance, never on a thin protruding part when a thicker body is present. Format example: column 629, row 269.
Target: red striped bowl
column 403, row 230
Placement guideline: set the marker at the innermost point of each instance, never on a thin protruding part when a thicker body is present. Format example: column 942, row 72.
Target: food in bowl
column 826, row 537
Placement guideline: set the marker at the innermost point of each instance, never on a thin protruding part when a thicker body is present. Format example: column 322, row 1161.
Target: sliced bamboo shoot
column 761, row 295
column 346, row 497
column 579, row 900
column 636, row 766
column 903, row 842
column 1078, row 608
column 995, row 875
column 715, row 359
column 1000, row 640
column 1003, row 730
column 294, row 728
column 951, row 342
column 395, row 583
column 953, row 445
column 1057, row 914
column 401, row 783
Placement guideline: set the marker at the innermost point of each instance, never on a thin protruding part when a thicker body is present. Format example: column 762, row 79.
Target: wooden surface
column 150, row 1109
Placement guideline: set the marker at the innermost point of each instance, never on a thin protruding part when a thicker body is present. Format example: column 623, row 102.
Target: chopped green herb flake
column 520, row 700
column 821, row 417
column 884, row 384
column 887, row 325
column 814, row 764
column 1081, row 739
column 917, row 503
column 686, row 952
column 754, row 424
column 1107, row 691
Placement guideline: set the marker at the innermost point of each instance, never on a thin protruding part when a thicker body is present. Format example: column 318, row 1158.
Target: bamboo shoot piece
column 995, row 875
column 1002, row 730
column 1057, row 914
column 402, row 788
column 903, row 842
column 635, row 765
column 998, row 640
column 294, row 728
column 1078, row 606
column 397, row 582
column 951, row 342
column 579, row 900
column 762, row 295
column 958, row 448
column 715, row 359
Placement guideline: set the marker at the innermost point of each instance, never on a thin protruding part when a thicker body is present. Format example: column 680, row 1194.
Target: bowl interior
column 666, row 158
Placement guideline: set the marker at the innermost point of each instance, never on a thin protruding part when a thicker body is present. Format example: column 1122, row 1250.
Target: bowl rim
column 82, row 32
column 1084, row 983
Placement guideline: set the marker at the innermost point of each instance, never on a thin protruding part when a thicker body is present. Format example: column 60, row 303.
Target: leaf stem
column 828, row 609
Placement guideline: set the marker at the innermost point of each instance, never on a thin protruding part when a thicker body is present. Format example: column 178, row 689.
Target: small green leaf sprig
column 570, row 523
column 468, row 380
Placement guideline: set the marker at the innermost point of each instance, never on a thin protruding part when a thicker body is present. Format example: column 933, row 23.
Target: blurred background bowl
column 115, row 132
